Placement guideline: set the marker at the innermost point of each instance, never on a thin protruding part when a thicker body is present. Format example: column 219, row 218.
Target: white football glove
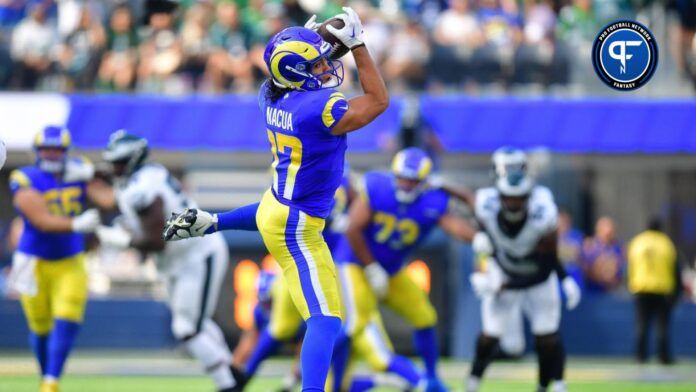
column 113, row 236
column 78, row 170
column 435, row 181
column 378, row 279
column 86, row 222
column 572, row 292
column 482, row 244
column 190, row 223
column 351, row 33
column 312, row 23
column 485, row 284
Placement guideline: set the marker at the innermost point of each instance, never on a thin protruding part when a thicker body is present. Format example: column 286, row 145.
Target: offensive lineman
column 520, row 237
column 48, row 267
column 193, row 270
column 393, row 216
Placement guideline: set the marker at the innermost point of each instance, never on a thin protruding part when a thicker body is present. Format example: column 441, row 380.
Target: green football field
column 171, row 371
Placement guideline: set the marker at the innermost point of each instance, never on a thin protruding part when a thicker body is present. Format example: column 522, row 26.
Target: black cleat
column 241, row 377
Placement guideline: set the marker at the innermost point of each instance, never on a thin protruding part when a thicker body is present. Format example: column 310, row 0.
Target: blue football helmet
column 52, row 137
column 411, row 164
column 291, row 55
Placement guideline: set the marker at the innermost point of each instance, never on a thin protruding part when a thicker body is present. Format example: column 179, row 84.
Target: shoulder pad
column 21, row 178
column 544, row 212
column 484, row 199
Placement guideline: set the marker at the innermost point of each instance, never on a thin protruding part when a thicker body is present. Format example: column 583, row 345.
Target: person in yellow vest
column 653, row 278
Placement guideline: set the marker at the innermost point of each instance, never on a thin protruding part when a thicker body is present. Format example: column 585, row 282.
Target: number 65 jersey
column 308, row 160
column 64, row 197
column 138, row 193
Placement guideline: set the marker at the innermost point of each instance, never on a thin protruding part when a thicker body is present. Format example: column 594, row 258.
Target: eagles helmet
column 414, row 165
column 513, row 182
column 290, row 56
column 52, row 137
column 128, row 149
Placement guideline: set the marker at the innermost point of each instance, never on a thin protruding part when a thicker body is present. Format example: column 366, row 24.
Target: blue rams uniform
column 308, row 160
column 60, row 275
column 65, row 199
column 308, row 164
column 396, row 229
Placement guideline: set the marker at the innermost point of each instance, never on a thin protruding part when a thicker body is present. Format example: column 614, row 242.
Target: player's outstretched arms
column 101, row 194
column 36, row 210
column 375, row 100
column 457, row 227
column 463, row 194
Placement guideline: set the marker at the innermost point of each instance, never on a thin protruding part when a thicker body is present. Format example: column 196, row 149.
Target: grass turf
column 267, row 384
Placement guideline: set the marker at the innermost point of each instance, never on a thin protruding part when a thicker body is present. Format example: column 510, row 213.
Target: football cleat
column 190, row 223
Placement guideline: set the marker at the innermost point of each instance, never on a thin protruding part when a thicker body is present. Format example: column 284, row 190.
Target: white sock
column 389, row 380
column 473, row 384
column 214, row 359
column 213, row 330
column 290, row 381
column 559, row 386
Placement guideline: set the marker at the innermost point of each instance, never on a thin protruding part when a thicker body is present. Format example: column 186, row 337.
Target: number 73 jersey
column 307, row 159
column 396, row 229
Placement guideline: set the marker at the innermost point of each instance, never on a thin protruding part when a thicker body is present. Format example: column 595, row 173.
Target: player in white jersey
column 519, row 220
column 192, row 270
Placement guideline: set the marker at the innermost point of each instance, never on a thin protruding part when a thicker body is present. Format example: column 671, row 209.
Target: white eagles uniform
column 194, row 269
column 540, row 303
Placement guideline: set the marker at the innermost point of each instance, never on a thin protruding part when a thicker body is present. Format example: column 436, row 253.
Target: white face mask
column 52, row 166
column 406, row 197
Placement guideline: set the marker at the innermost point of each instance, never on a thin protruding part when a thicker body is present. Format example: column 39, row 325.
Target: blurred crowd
column 216, row 46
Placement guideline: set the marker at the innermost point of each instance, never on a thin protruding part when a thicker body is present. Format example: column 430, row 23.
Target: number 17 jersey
column 307, row 159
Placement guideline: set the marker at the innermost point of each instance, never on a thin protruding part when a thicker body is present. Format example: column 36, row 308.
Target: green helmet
column 126, row 148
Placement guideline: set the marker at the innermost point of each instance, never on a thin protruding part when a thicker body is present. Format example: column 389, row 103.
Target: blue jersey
column 62, row 198
column 396, row 229
column 307, row 159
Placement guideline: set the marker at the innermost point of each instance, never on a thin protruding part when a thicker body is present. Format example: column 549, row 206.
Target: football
column 338, row 49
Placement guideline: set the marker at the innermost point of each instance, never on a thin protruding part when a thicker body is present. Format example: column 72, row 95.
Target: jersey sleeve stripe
column 328, row 116
column 19, row 179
